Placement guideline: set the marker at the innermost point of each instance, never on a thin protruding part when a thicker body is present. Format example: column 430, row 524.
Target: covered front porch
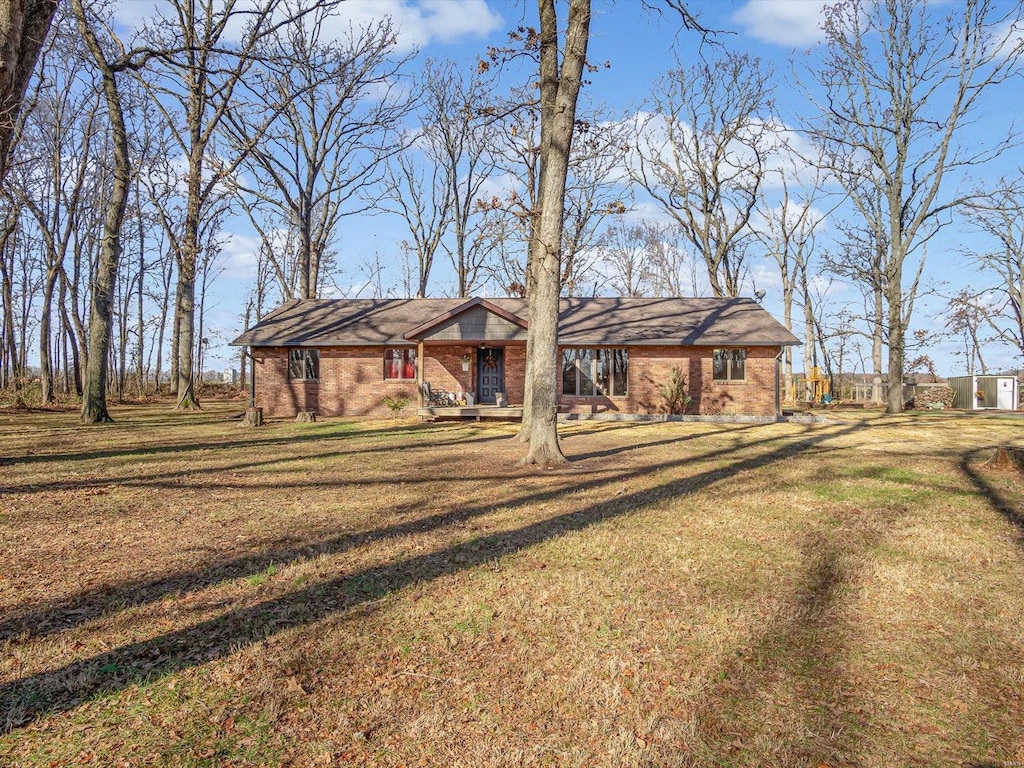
column 470, row 363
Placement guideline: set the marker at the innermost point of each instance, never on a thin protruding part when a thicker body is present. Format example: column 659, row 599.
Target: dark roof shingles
column 598, row 321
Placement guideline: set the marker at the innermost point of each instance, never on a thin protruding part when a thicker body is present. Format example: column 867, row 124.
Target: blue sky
column 639, row 46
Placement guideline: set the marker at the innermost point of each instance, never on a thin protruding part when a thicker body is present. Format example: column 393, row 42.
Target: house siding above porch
column 476, row 324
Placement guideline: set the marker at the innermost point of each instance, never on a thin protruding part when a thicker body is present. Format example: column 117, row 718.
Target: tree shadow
column 194, row 447
column 802, row 648
column 85, row 606
column 154, row 478
column 63, row 688
column 667, row 441
column 1008, row 508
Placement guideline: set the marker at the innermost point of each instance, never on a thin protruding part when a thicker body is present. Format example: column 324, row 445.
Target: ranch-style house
column 343, row 357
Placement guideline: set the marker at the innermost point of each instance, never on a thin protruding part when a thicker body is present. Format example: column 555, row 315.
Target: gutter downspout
column 778, row 374
column 252, row 378
column 419, row 374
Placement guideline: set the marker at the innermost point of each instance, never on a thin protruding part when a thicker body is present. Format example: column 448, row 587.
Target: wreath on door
column 490, row 361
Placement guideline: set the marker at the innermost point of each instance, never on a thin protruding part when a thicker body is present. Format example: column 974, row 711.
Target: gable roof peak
column 424, row 328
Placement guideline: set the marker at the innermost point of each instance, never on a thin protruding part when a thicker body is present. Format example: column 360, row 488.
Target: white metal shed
column 985, row 392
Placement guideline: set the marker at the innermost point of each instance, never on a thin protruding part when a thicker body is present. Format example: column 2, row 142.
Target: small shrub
column 676, row 392
column 396, row 404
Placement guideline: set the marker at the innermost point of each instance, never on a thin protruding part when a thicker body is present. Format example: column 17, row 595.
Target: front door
column 490, row 366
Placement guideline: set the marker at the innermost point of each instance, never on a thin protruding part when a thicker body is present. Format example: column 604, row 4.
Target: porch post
column 419, row 373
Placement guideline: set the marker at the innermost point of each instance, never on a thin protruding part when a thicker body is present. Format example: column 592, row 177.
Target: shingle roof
column 596, row 321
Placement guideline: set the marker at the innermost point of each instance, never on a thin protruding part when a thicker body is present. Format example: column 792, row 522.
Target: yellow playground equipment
column 814, row 388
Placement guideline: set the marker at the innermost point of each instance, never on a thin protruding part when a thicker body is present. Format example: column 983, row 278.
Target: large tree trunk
column 894, row 298
column 71, row 339
column 24, row 25
column 185, row 313
column 560, row 87
column 8, row 350
column 877, row 346
column 94, row 398
column 186, row 306
column 787, row 313
column 45, row 363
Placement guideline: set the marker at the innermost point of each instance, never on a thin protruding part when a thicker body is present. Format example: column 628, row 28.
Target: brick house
column 343, row 357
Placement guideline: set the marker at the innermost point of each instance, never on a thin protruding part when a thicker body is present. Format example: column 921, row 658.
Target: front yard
column 176, row 589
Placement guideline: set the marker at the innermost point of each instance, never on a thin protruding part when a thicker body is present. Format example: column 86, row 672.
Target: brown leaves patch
column 182, row 591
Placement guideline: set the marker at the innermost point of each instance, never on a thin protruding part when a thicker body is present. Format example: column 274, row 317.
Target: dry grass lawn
column 178, row 590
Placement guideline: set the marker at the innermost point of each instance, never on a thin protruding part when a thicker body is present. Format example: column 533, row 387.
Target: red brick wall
column 651, row 366
column 351, row 384
column 352, row 381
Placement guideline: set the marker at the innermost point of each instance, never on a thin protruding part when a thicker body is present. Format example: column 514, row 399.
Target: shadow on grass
column 75, row 610
column 63, row 688
column 1007, row 507
column 160, row 479
column 632, row 447
column 336, row 431
column 803, row 648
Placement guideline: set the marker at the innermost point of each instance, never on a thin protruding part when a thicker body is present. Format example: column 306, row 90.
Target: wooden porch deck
column 478, row 412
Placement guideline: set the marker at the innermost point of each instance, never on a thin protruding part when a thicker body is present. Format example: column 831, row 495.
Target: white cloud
column 238, row 255
column 501, row 186
column 649, row 211
column 418, row 22
column 784, row 22
column 132, row 14
column 1008, row 39
column 765, row 275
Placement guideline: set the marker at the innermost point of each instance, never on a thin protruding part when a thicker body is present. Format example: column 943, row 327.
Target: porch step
column 507, row 413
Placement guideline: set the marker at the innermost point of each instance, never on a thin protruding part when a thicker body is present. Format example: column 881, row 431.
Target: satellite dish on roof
column 759, row 294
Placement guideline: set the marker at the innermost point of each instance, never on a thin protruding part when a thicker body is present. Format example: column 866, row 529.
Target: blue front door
column 490, row 365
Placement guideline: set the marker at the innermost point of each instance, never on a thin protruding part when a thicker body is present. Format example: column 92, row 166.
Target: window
column 304, row 364
column 730, row 365
column 590, row 372
column 399, row 363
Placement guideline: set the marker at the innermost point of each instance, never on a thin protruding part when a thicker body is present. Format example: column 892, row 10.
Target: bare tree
column 51, row 165
column 459, row 139
column 202, row 52
column 505, row 266
column 966, row 316
column 788, row 233
column 700, row 153
column 593, row 192
column 94, row 396
column 1000, row 215
column 593, row 196
column 900, row 82
column 335, row 106
column 861, row 258
column 674, row 271
column 437, row 191
column 560, row 82
column 627, row 259
column 421, row 195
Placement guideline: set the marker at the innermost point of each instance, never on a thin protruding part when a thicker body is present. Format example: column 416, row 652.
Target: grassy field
column 176, row 589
